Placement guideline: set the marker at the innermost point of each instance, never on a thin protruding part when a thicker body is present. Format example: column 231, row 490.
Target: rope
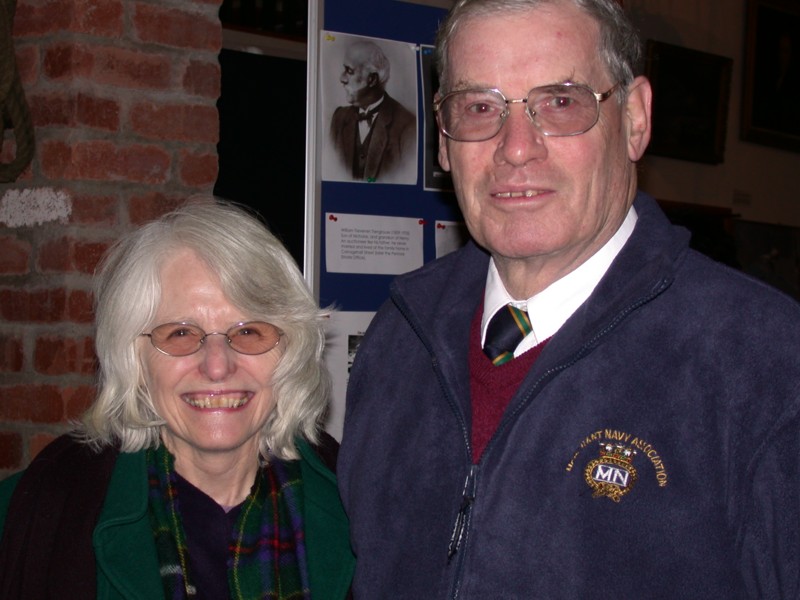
column 13, row 107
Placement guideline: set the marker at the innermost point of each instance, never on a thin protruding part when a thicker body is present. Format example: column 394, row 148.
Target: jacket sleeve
column 7, row 487
column 769, row 538
column 330, row 560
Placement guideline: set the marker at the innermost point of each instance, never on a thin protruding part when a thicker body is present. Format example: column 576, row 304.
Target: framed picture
column 690, row 102
column 770, row 101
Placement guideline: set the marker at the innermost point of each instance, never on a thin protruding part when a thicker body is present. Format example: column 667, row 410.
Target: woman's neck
column 226, row 477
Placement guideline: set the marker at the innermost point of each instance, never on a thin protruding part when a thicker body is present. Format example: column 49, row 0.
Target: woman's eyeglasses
column 183, row 339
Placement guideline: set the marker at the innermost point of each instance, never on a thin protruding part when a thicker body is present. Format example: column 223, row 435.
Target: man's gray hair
column 260, row 278
column 620, row 46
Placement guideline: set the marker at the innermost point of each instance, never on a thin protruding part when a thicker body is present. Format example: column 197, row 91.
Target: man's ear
column 373, row 79
column 638, row 111
column 444, row 159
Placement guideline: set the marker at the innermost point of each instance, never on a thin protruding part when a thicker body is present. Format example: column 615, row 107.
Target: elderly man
column 374, row 135
column 575, row 405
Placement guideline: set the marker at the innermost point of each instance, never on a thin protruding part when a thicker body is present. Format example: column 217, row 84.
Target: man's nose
column 520, row 139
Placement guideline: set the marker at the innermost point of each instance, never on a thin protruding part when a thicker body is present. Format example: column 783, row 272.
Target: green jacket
column 127, row 564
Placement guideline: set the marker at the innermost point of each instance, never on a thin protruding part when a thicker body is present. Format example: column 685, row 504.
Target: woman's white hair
column 260, row 278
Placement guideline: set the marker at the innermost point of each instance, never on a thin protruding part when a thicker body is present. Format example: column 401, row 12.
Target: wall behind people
column 756, row 182
column 123, row 97
column 123, row 100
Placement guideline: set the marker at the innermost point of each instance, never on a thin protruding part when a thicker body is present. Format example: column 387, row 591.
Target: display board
column 378, row 204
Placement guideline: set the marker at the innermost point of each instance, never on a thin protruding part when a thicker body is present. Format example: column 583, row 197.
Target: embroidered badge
column 613, row 474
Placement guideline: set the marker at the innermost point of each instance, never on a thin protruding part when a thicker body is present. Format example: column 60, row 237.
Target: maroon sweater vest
column 492, row 387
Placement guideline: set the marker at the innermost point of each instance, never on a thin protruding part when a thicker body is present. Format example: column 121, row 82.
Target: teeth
column 526, row 194
column 217, row 401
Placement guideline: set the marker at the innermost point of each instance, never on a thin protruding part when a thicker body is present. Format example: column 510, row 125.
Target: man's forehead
column 478, row 60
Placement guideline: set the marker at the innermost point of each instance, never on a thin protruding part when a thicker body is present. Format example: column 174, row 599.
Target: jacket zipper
column 460, row 526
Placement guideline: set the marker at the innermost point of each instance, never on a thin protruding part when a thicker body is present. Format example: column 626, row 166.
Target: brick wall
column 123, row 98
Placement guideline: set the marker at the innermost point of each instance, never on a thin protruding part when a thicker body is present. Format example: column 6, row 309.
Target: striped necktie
column 505, row 331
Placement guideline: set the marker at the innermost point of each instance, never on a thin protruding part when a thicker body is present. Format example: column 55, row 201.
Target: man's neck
column 523, row 278
column 526, row 277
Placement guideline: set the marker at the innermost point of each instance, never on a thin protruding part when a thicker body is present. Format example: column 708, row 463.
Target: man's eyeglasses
column 183, row 339
column 561, row 109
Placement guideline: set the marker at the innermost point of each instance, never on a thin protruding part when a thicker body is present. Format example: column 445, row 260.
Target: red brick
column 103, row 161
column 31, row 403
column 97, row 210
column 79, row 307
column 198, row 169
column 41, row 306
column 98, row 113
column 27, row 64
column 67, row 61
column 108, row 65
column 42, row 17
column 103, row 18
column 131, row 68
column 98, row 17
column 68, row 254
column 87, row 255
column 55, row 158
column 14, row 255
column 52, row 109
column 46, row 306
column 77, row 400
column 146, row 208
column 55, row 255
column 173, row 27
column 62, row 356
column 143, row 164
column 10, row 450
column 63, row 109
column 11, row 358
column 174, row 122
column 202, row 78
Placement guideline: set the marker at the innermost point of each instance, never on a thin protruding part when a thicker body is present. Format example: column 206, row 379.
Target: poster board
column 364, row 227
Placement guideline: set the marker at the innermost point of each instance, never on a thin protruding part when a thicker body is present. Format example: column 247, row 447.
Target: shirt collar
column 372, row 106
column 549, row 309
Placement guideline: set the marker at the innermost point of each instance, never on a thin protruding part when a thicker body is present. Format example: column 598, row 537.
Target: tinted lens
column 472, row 115
column 254, row 338
column 177, row 339
column 563, row 109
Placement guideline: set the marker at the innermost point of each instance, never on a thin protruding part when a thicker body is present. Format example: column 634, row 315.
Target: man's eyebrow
column 465, row 84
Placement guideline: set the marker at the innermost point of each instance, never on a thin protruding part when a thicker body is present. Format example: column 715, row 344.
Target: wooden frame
column 771, row 90
column 690, row 102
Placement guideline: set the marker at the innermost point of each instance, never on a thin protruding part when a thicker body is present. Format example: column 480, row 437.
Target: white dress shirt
column 549, row 309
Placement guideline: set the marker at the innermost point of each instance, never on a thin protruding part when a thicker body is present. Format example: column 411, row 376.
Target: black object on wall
column 262, row 158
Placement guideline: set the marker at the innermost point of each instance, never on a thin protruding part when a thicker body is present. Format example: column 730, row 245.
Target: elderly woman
column 200, row 471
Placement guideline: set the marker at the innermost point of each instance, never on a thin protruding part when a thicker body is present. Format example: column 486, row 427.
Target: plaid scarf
column 267, row 547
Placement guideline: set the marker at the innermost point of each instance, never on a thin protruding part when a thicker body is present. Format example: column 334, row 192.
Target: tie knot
column 507, row 327
column 367, row 115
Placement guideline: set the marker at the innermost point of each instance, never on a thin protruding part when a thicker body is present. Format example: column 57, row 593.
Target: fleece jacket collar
column 643, row 269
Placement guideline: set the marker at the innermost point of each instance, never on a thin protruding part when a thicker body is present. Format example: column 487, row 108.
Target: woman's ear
column 638, row 111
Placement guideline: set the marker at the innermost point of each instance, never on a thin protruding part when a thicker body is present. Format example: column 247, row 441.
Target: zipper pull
column 467, row 498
